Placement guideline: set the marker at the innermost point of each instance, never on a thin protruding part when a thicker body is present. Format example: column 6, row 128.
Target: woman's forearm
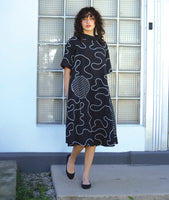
column 66, row 79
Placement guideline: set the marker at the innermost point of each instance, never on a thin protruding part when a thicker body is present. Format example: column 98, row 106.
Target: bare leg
column 89, row 155
column 71, row 162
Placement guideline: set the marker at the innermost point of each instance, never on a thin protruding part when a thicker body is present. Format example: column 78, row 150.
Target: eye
column 84, row 19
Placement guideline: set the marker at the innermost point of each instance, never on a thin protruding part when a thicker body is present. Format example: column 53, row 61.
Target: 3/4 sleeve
column 68, row 58
column 108, row 63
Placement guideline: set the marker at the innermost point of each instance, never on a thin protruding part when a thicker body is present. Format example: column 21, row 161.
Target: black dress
column 90, row 117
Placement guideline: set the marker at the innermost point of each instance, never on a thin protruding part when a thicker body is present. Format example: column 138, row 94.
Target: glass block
column 50, row 56
column 110, row 31
column 129, row 58
column 130, row 8
column 74, row 6
column 129, row 85
column 69, row 28
column 65, row 110
column 128, row 112
column 130, row 32
column 113, row 57
column 51, row 30
column 112, row 84
column 114, row 106
column 107, row 8
column 49, row 111
column 50, row 84
column 64, row 92
column 51, row 7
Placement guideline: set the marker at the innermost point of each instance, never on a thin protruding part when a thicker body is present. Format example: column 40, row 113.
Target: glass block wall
column 122, row 19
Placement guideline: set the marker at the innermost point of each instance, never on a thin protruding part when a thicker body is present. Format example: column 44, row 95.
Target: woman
column 90, row 117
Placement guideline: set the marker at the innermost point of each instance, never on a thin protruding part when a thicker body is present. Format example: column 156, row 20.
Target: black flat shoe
column 84, row 186
column 69, row 175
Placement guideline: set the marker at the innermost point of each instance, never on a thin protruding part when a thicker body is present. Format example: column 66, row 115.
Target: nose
column 88, row 19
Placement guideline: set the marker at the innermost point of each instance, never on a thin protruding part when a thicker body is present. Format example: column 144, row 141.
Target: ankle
column 86, row 180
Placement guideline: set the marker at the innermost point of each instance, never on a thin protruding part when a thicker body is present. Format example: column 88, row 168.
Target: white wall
column 18, row 57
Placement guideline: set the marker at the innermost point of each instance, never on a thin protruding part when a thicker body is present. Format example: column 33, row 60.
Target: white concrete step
column 8, row 171
column 114, row 182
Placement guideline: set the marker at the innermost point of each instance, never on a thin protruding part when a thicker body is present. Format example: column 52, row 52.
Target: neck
column 88, row 32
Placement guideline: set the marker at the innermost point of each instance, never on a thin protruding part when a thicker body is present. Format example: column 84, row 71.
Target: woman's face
column 88, row 24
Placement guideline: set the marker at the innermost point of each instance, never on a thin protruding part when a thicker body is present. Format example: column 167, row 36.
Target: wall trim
column 157, row 79
column 41, row 162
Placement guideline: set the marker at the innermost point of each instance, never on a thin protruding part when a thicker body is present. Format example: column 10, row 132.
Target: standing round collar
column 89, row 36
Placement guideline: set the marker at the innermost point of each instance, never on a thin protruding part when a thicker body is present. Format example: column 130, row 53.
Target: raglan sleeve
column 68, row 58
column 108, row 63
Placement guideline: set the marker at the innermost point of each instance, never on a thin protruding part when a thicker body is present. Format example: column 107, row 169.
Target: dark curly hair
column 98, row 30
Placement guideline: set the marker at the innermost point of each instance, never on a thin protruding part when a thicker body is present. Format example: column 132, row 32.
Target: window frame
column 141, row 99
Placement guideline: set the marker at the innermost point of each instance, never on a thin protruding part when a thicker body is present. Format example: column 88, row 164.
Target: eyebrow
column 88, row 15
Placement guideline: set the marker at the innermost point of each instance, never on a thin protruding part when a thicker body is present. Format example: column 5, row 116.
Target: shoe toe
column 85, row 186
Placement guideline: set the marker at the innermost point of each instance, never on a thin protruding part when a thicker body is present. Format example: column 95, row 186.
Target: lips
column 88, row 26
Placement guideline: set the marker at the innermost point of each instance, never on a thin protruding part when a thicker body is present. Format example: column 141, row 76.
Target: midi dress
column 90, row 119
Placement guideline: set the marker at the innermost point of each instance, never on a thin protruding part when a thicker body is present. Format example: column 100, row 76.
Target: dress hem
column 112, row 145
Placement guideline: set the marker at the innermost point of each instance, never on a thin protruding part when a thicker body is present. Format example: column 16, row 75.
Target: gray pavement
column 8, row 170
column 114, row 182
